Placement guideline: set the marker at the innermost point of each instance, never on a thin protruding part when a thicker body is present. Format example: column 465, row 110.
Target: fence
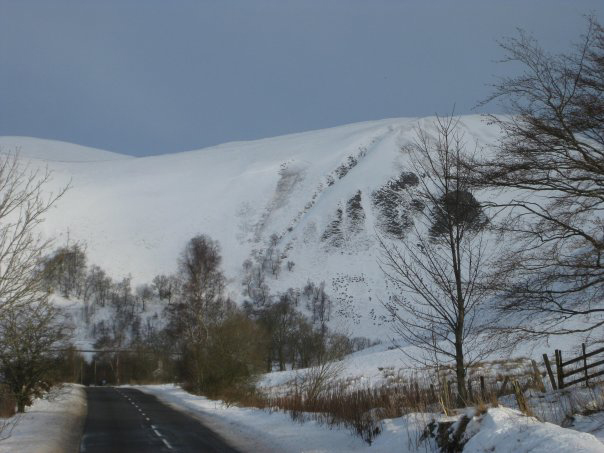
column 562, row 374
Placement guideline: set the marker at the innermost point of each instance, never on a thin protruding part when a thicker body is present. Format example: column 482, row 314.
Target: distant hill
column 324, row 194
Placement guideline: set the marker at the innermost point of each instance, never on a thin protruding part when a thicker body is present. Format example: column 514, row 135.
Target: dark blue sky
column 153, row 76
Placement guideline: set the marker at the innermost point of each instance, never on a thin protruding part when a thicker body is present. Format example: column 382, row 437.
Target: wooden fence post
column 483, row 391
column 549, row 372
column 559, row 369
column 585, row 365
column 576, row 369
column 520, row 399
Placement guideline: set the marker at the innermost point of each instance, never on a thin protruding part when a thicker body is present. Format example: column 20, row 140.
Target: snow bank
column 500, row 430
column 504, row 430
column 51, row 425
column 593, row 424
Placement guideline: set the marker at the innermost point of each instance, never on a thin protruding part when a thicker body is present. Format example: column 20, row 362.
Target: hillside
column 325, row 194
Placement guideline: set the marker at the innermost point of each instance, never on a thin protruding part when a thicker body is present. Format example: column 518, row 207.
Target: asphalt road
column 128, row 420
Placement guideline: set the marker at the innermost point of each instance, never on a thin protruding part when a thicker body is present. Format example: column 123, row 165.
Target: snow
column 576, row 407
column 52, row 425
column 55, row 151
column 55, row 426
column 257, row 430
column 504, row 430
column 500, row 430
column 593, row 424
column 135, row 215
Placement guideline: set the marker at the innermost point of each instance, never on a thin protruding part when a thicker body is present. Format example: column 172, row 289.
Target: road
column 128, row 420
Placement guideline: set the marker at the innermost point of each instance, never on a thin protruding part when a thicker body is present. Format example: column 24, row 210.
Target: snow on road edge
column 251, row 430
column 52, row 425
column 501, row 430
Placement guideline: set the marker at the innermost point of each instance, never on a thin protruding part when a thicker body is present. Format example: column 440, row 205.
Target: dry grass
column 359, row 410
column 320, row 396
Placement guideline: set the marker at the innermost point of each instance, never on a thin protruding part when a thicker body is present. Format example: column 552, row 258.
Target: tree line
column 184, row 328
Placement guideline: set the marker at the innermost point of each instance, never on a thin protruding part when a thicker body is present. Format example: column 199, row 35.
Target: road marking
column 158, row 434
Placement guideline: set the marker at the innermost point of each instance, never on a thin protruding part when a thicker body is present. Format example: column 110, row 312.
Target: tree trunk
column 21, row 403
column 281, row 359
column 460, row 371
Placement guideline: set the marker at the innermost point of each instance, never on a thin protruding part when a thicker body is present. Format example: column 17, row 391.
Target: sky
column 157, row 76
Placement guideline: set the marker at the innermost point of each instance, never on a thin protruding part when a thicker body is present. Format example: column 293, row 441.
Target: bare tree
column 29, row 337
column 144, row 293
column 23, row 205
column 29, row 324
column 314, row 382
column 550, row 161
column 440, row 284
column 201, row 305
column 65, row 270
column 166, row 286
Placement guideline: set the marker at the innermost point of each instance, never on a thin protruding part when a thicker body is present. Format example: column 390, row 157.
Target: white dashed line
column 158, row 434
column 153, row 427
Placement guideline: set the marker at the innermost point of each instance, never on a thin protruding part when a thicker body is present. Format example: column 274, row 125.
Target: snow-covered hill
column 55, row 151
column 324, row 193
